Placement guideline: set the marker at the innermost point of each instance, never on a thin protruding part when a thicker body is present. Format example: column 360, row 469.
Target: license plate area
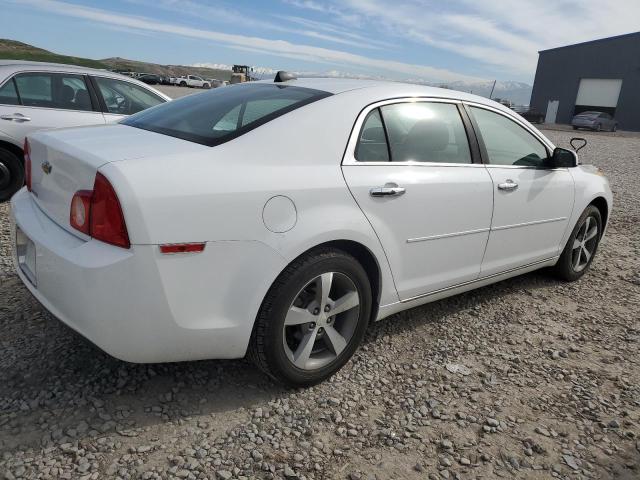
column 26, row 252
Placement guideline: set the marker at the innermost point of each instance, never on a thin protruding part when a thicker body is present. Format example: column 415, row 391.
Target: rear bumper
column 139, row 305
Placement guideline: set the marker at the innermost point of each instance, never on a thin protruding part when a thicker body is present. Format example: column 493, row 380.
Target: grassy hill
column 14, row 50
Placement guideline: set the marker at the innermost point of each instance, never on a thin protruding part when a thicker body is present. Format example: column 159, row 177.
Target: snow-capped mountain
column 517, row 92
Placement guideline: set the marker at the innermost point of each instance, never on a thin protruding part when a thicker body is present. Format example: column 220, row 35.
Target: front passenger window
column 507, row 143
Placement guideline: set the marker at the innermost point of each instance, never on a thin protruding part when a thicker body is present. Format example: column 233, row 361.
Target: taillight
column 98, row 213
column 79, row 216
column 27, row 164
column 107, row 220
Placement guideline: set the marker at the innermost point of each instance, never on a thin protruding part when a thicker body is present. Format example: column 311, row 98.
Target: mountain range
column 517, row 92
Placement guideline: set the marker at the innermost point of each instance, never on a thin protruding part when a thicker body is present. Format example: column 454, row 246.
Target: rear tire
column 11, row 174
column 295, row 314
column 580, row 249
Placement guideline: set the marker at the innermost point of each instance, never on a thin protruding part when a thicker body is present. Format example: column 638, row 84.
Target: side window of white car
column 507, row 143
column 426, row 132
column 372, row 142
column 53, row 90
column 9, row 94
column 35, row 89
column 125, row 98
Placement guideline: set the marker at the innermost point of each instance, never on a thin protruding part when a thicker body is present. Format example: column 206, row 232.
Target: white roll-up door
column 599, row 92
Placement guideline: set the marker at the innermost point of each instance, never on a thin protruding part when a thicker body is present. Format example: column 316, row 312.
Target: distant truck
column 192, row 81
column 241, row 74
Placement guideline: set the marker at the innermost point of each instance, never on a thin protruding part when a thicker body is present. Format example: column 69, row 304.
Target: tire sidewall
column 16, row 170
column 282, row 300
column 565, row 264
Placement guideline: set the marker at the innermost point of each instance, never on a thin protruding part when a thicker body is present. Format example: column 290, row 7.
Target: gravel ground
column 529, row 378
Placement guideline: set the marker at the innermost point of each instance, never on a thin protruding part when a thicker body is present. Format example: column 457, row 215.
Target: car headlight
column 599, row 172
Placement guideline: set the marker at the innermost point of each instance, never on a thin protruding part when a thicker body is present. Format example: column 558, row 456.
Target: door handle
column 16, row 116
column 508, row 185
column 389, row 190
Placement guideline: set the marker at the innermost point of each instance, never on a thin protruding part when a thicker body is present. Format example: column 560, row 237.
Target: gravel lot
column 549, row 385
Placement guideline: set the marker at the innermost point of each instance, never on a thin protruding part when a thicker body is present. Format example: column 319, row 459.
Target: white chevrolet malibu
column 278, row 219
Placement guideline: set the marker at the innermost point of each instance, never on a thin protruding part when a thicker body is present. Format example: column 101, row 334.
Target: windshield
column 218, row 116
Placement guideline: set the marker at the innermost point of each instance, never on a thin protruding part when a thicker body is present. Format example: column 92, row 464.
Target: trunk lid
column 65, row 161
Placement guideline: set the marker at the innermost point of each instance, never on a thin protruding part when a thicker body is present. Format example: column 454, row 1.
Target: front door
column 46, row 100
column 532, row 203
column 412, row 174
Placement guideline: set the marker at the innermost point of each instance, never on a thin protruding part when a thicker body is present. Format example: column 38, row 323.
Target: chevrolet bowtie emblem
column 46, row 167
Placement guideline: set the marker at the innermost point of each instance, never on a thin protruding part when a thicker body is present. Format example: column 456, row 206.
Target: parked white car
column 279, row 219
column 193, row 81
column 35, row 95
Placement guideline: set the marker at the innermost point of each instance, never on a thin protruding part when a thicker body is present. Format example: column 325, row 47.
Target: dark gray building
column 601, row 75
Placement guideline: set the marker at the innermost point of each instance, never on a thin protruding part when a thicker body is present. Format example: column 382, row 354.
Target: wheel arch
column 363, row 255
column 601, row 204
column 13, row 149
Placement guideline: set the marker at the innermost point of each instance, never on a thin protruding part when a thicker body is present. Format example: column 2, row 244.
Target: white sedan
column 278, row 219
column 37, row 95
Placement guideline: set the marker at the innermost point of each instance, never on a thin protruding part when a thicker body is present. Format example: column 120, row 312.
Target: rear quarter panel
column 219, row 194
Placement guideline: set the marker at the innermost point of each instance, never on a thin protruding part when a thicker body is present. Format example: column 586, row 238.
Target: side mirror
column 563, row 158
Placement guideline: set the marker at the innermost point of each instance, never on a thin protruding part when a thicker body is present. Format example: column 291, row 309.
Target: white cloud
column 280, row 48
column 497, row 33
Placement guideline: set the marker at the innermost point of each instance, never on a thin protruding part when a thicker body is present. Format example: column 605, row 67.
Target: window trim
column 349, row 156
column 549, row 147
column 94, row 106
column 103, row 105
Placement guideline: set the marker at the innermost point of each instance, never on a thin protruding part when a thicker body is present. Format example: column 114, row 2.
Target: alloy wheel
column 321, row 321
column 584, row 245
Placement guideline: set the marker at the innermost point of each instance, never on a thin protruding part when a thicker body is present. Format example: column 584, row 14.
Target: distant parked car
column 215, row 83
column 193, row 81
column 36, row 95
column 597, row 121
column 150, row 79
column 532, row 116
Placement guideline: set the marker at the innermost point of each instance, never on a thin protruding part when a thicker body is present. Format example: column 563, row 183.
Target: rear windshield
column 217, row 116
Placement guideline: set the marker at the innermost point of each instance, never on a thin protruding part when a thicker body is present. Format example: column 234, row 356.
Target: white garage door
column 599, row 92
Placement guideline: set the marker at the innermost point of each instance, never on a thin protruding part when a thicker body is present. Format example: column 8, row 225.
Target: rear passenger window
column 53, row 90
column 35, row 90
column 8, row 94
column 426, row 132
column 372, row 143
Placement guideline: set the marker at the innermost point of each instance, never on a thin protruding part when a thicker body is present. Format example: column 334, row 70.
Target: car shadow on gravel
column 57, row 387
column 434, row 312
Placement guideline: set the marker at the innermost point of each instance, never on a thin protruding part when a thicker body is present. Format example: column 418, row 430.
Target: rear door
column 411, row 169
column 43, row 100
column 532, row 203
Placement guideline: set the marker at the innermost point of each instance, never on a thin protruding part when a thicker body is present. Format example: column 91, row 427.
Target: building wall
column 560, row 71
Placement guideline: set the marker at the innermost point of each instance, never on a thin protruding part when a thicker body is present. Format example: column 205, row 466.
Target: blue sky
column 441, row 41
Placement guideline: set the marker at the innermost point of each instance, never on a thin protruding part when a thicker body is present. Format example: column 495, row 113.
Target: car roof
column 9, row 67
column 380, row 89
column 51, row 66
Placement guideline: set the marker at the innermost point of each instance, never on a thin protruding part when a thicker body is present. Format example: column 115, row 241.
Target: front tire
column 11, row 174
column 581, row 247
column 313, row 318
